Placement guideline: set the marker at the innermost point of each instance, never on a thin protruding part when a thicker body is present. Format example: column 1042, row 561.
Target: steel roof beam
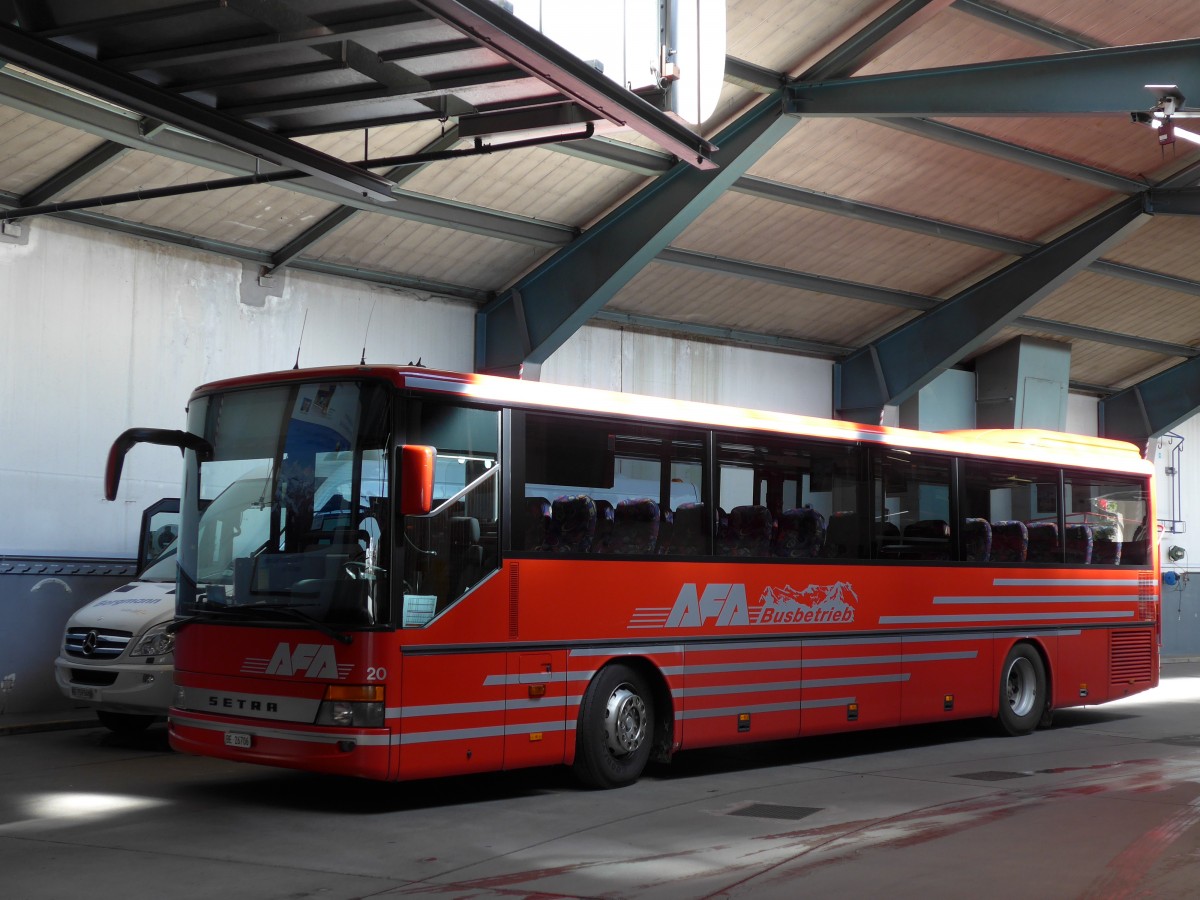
column 111, row 123
column 85, row 74
column 879, row 215
column 536, row 316
column 1153, row 406
column 896, row 366
column 260, row 257
column 1015, row 153
column 1025, row 26
column 854, row 290
column 188, row 54
column 66, row 178
column 340, row 216
column 533, row 318
column 525, row 47
column 756, row 339
column 1109, row 80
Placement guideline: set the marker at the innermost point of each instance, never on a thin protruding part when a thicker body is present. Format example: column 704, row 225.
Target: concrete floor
column 1104, row 804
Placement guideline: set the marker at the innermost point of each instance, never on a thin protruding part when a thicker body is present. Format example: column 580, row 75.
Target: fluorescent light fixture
column 1192, row 136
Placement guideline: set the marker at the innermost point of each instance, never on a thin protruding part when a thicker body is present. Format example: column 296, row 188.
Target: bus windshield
column 298, row 481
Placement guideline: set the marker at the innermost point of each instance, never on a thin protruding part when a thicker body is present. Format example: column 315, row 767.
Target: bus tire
column 1022, row 690
column 124, row 723
column 615, row 730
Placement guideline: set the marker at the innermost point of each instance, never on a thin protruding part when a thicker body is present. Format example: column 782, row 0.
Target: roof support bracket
column 896, row 366
column 561, row 295
column 1152, row 407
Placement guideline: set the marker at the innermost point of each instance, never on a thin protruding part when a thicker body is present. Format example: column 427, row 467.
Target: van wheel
column 124, row 723
column 615, row 730
column 1022, row 690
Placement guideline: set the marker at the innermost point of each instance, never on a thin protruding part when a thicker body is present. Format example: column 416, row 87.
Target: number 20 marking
column 376, row 673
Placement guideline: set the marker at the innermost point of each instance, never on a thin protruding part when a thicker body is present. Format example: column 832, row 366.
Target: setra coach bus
column 398, row 573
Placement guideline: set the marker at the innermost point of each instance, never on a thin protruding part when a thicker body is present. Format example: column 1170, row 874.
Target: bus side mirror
column 116, row 455
column 417, row 463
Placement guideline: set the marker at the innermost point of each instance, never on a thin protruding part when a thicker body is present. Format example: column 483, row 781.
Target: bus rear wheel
column 1022, row 690
column 615, row 730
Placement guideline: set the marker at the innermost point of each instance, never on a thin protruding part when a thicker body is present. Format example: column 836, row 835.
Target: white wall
column 618, row 360
column 99, row 333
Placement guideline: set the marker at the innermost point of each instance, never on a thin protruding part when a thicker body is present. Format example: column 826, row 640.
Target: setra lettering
column 243, row 704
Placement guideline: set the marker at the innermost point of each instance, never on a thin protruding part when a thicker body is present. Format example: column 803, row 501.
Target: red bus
column 398, row 573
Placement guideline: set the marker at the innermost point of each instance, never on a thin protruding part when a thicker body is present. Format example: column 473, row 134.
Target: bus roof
column 1021, row 443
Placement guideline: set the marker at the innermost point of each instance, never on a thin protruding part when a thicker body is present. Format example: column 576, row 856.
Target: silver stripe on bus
column 807, row 684
column 1003, row 617
column 542, row 678
column 456, row 709
column 627, row 651
column 310, row 737
column 881, row 660
column 1061, row 598
column 1065, row 582
column 462, row 734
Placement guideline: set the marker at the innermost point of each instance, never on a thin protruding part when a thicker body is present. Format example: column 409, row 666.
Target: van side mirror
column 417, row 463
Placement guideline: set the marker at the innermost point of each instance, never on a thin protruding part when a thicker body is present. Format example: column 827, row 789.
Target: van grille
column 96, row 643
column 1132, row 657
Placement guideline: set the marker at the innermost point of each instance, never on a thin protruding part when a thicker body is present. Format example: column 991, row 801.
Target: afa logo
column 308, row 660
column 725, row 606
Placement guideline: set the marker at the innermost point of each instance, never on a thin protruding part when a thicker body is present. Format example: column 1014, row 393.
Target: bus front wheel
column 615, row 729
column 1022, row 690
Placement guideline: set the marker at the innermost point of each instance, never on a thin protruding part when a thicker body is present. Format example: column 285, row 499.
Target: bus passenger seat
column 1043, row 542
column 976, row 539
column 931, row 537
column 1010, row 541
column 605, row 518
column 689, row 537
column 1106, row 549
column 635, row 526
column 537, row 523
column 751, row 529
column 843, row 537
column 574, row 523
column 1079, row 543
column 801, row 533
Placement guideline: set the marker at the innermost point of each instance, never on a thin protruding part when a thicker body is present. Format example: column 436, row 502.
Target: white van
column 116, row 653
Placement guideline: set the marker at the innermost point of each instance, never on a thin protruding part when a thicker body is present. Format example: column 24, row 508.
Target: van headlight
column 155, row 642
column 352, row 706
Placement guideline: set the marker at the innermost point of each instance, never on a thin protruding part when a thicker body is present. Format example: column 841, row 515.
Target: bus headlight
column 352, row 706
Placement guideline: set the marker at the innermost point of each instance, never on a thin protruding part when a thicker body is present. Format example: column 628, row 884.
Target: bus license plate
column 237, row 739
column 84, row 693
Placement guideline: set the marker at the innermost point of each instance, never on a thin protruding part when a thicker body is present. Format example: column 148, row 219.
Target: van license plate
column 237, row 739
column 84, row 693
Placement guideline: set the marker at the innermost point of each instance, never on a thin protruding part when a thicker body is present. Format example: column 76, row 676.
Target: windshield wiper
column 303, row 617
column 214, row 613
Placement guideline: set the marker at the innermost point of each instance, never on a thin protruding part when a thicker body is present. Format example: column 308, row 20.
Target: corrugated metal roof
column 911, row 210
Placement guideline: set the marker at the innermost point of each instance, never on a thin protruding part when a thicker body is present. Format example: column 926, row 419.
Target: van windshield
column 300, row 477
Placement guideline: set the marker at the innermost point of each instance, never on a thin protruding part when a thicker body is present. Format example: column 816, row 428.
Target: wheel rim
column 1022, row 687
column 625, row 721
